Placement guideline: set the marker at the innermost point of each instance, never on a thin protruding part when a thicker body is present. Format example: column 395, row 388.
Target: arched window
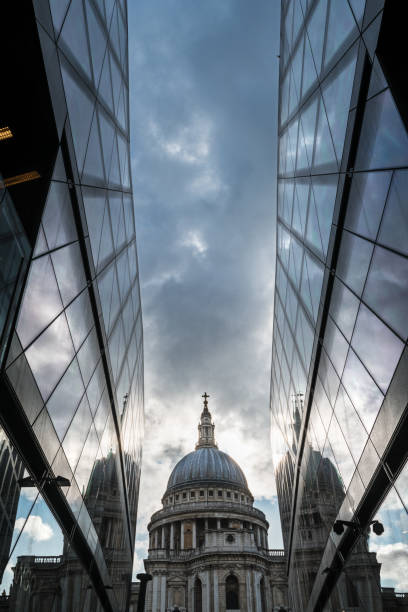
column 198, row 596
column 232, row 593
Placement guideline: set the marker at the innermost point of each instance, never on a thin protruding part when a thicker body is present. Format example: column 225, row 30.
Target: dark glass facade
column 70, row 314
column 339, row 356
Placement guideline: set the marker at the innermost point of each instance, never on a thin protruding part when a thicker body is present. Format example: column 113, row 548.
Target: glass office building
column 71, row 416
column 339, row 377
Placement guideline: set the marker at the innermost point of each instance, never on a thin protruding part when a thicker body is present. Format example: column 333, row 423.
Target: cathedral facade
column 208, row 545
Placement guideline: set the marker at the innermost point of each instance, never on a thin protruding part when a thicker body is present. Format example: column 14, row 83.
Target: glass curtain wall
column 75, row 364
column 339, row 339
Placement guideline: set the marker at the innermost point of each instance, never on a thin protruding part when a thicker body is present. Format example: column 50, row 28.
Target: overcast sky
column 203, row 128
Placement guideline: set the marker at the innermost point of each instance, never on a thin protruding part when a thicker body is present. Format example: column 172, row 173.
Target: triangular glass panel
column 302, row 162
column 341, row 25
column 357, row 7
column 74, row 439
column 324, row 152
column 128, row 318
column 80, row 108
column 122, row 266
column 88, row 356
column 105, row 282
column 80, row 319
column 114, row 32
column 50, row 355
column 109, row 8
column 309, row 69
column 337, row 95
column 115, row 304
column 106, row 245
column 305, row 290
column 123, row 148
column 288, row 201
column 129, row 218
column 41, row 300
column 132, row 262
column 116, row 82
column 297, row 18
column 107, row 136
column 394, row 224
column 370, row 36
column 95, row 202
column 73, row 38
column 292, row 147
column 58, row 220
column 313, row 230
column 121, row 235
column 97, row 41
column 115, row 208
column 121, row 114
column 105, row 84
column 65, row 399
column 58, row 10
column 315, row 273
column 383, row 141
column 69, row 270
column 41, row 245
column 308, row 121
column 114, row 173
column 93, row 167
column 316, row 28
column 122, row 38
column 378, row 81
column 324, row 190
column 301, row 201
column 297, row 69
column 59, row 173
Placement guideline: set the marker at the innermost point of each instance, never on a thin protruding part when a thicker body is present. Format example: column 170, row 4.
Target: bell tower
column 206, row 427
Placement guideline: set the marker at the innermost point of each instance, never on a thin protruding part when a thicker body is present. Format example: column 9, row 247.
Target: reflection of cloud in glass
column 35, row 528
column 394, row 563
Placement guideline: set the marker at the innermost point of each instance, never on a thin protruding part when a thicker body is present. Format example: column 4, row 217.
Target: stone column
column 218, row 524
column 163, row 594
column 163, row 544
column 182, row 535
column 258, row 602
column 258, row 536
column 155, row 593
column 216, row 598
column 172, row 536
column 194, row 534
column 190, row 593
column 156, row 538
column 249, row 591
column 206, row 523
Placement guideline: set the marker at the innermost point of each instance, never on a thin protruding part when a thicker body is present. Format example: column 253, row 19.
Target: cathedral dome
column 207, row 464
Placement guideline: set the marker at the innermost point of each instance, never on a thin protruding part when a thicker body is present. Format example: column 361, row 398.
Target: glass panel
column 77, row 433
column 58, row 10
column 350, row 423
column 47, row 363
column 314, row 272
column 386, row 289
column 41, row 300
column 336, row 346
column 97, row 41
column 324, row 151
column 80, row 108
column 341, row 24
column 341, row 453
column 378, row 348
column 94, row 201
column 107, row 135
column 316, row 29
column 309, row 70
column 364, row 393
column 95, row 388
column 324, row 190
column 384, row 140
column 308, row 122
column 353, row 261
column 366, row 202
column 336, row 95
column 105, row 85
column 69, row 271
column 87, row 460
column 58, row 220
column 88, row 356
column 80, row 319
column 394, row 225
column 73, row 38
column 343, row 308
column 63, row 402
column 300, row 206
column 93, row 166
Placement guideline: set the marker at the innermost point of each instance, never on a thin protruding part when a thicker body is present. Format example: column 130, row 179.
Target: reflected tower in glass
column 339, row 376
column 70, row 315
